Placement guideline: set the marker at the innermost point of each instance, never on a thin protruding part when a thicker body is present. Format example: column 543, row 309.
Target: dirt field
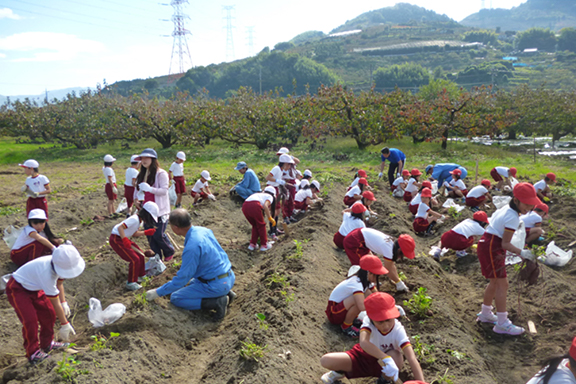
column 159, row 343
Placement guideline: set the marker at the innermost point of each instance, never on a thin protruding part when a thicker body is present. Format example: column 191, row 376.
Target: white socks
column 486, row 310
column 502, row 317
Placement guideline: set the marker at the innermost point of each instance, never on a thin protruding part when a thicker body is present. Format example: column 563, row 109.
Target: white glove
column 65, row 332
column 24, row 188
column 66, row 308
column 114, row 190
column 151, row 295
column 145, row 187
column 398, row 174
column 400, row 286
column 390, row 369
column 212, row 197
column 280, row 181
column 380, row 175
column 527, row 254
column 401, row 310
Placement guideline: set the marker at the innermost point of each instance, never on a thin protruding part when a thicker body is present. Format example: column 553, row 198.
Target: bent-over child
column 426, row 218
column 558, row 369
column 352, row 218
column 463, row 235
column 360, row 174
column 355, row 193
column 255, row 208
column 533, row 222
column 413, row 207
column 37, row 187
column 201, row 190
column 542, row 187
column 502, row 175
column 477, row 195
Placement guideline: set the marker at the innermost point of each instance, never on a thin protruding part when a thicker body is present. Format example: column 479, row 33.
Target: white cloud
column 6, row 13
column 2, row 56
column 48, row 46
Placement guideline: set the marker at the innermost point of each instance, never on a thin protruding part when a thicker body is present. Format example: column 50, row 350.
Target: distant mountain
column 553, row 14
column 54, row 94
column 401, row 13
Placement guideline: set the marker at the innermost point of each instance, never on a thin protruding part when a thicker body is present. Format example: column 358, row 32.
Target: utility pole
column 180, row 60
column 260, row 76
column 229, row 40
column 250, row 38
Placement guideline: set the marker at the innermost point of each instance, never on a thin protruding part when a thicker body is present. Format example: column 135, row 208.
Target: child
column 36, row 291
column 274, row 179
column 533, row 222
column 368, row 199
column 123, row 246
column 37, row 187
column 559, row 369
column 176, row 173
column 462, row 235
column 298, row 179
column 491, row 251
column 200, row 190
column 35, row 240
column 477, row 195
column 130, row 183
column 426, row 218
column 255, row 208
column 111, row 188
column 355, row 193
column 363, row 241
column 400, row 184
column 352, row 218
column 456, row 187
column 413, row 185
column 360, row 174
column 347, row 299
column 543, row 187
column 305, row 196
column 413, row 207
column 383, row 341
column 501, row 175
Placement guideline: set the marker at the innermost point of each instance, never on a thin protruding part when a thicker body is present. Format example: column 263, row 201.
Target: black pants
column 392, row 172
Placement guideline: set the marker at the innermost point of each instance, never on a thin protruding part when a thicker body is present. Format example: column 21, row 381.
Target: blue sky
column 78, row 43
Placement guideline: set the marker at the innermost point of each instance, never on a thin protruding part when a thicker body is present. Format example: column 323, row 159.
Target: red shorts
column 129, row 195
column 475, row 201
column 355, row 246
column 111, row 195
column 202, row 194
column 420, row 224
column 349, row 200
column 179, row 185
column 393, row 187
column 492, row 256
column 336, row 312
column 300, row 205
column 495, row 175
column 36, row 202
column 363, row 364
column 339, row 240
column 413, row 208
column 456, row 241
column 408, row 196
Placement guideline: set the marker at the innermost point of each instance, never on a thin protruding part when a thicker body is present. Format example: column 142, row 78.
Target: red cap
column 426, row 192
column 414, row 382
column 456, row 172
column 427, row 184
column 405, row 172
column 542, row 207
column 407, row 245
column 372, row 264
column 381, row 306
column 513, row 171
column 572, row 348
column 415, row 172
column 362, row 173
column 526, row 194
column 358, row 208
column 368, row 195
column 551, row 176
column 486, row 183
column 480, row 216
column 362, row 181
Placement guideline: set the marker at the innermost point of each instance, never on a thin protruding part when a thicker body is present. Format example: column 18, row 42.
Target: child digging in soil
column 415, row 203
column 477, row 195
column 124, row 247
column 426, row 218
column 305, row 197
column 255, row 208
column 200, row 190
column 543, row 187
column 399, row 185
column 382, row 348
column 413, row 185
column 502, row 175
column 37, row 186
column 130, row 183
column 559, row 369
column 111, row 189
column 355, row 193
column 456, row 188
column 360, row 174
column 352, row 218
column 176, row 175
column 347, row 299
column 275, row 180
column 462, row 236
column 533, row 222
column 491, row 251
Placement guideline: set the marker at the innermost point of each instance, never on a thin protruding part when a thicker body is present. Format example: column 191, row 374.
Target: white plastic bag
column 513, row 182
column 398, row 192
column 122, row 206
column 518, row 240
column 500, row 201
column 10, row 235
column 154, row 266
column 99, row 317
column 172, row 194
column 556, row 256
column 4, row 280
column 353, row 269
column 450, row 203
column 434, row 187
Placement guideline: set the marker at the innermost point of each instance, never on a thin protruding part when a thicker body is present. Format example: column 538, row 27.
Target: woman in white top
column 274, row 179
column 255, row 208
column 35, row 240
column 558, row 370
column 111, row 189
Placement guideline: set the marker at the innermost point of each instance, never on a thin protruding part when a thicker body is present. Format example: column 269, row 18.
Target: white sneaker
column 437, row 253
column 251, row 247
column 133, row 286
column 461, row 253
column 331, row 377
column 508, row 328
column 266, row 247
column 491, row 318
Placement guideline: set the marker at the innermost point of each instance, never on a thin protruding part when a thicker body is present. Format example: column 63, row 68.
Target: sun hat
column 573, row 349
column 363, row 181
column 30, row 163
column 109, row 159
column 405, row 172
column 298, row 173
column 513, row 171
column 480, row 216
column 486, row 183
column 67, row 261
column 362, row 173
column 426, row 192
column 381, row 306
column 283, row 151
column 542, row 207
column 240, row 165
column 526, row 194
column 205, row 174
column 134, row 159
column 456, row 172
column 551, row 176
column 428, row 168
column 181, row 155
column 368, row 195
column 270, row 189
column 37, row 214
column 358, row 208
column 308, row 173
column 407, row 245
column 152, row 209
column 286, row 159
column 427, row 184
column 415, row 172
column 148, row 152
column 316, row 184
column 372, row 264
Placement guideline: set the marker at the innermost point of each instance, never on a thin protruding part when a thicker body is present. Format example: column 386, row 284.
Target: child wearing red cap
column 413, row 185
column 355, row 193
column 543, row 187
column 37, row 187
column 413, row 207
column 382, row 348
column 352, row 218
column 491, row 251
column 456, row 187
column 363, row 241
column 533, row 222
column 426, row 218
column 477, row 195
column 360, row 174
column 559, row 369
column 347, row 299
column 368, row 199
column 502, row 175
column 462, row 236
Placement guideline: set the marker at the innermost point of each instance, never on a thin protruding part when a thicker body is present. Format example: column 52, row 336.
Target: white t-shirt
column 131, row 225
column 131, row 173
column 177, row 169
column 108, row 171
column 260, row 197
column 350, row 223
column 289, row 174
column 378, row 242
column 531, row 219
column 540, row 186
column 36, row 184
column 503, row 171
column 469, row 228
column 563, row 375
column 396, row 339
column 502, row 219
column 411, row 187
column 423, row 209
column 477, row 191
column 355, row 190
column 458, row 183
column 347, row 288
column 355, row 182
column 277, row 173
column 37, row 275
column 417, row 199
column 398, row 181
column 199, row 185
column 24, row 239
column 297, row 183
column 302, row 194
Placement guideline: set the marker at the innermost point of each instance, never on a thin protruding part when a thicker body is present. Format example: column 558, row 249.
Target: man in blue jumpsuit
column 205, row 278
column 249, row 184
column 441, row 172
column 397, row 160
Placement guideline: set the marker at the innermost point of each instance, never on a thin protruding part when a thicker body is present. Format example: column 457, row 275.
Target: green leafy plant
column 538, row 250
column 177, row 263
column 68, row 367
column 251, row 351
column 453, row 213
column 146, row 282
column 9, row 210
column 422, row 350
column 420, row 303
column 443, row 379
column 553, row 231
column 140, row 300
column 288, row 297
column 299, row 249
column 284, row 285
column 402, row 275
column 100, row 342
column 262, row 321
column 456, row 354
column 86, row 221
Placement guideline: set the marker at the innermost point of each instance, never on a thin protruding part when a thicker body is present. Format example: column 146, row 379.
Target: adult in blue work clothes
column 249, row 184
column 441, row 172
column 205, row 278
column 397, row 160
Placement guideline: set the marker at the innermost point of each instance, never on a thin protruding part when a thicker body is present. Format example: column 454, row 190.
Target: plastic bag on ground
column 154, row 266
column 518, row 240
column 122, row 206
column 4, row 280
column 556, row 256
column 398, row 192
column 500, row 201
column 172, row 194
column 450, row 203
column 99, row 317
column 10, row 235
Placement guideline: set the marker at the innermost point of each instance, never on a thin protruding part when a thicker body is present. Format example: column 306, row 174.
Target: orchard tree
column 408, row 75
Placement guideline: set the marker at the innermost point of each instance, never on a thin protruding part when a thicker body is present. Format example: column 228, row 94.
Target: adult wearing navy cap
column 249, row 184
column 441, row 172
column 397, row 160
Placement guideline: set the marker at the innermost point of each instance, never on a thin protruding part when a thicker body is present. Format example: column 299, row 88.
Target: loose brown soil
column 159, row 343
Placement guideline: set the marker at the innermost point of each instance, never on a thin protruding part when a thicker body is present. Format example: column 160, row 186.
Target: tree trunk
column 361, row 144
column 445, row 138
column 512, row 134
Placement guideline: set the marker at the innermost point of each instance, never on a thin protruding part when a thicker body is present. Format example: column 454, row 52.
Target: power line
column 180, row 43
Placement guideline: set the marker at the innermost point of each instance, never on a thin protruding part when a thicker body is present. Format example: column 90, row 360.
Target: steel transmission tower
column 229, row 40
column 250, row 38
column 180, row 51
column 483, row 4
